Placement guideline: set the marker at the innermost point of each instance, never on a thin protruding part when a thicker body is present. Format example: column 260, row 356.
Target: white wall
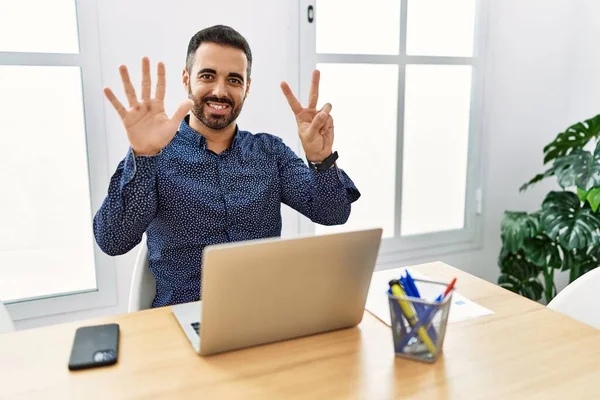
column 541, row 77
column 585, row 63
column 529, row 94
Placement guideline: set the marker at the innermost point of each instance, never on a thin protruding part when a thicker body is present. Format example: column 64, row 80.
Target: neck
column 216, row 140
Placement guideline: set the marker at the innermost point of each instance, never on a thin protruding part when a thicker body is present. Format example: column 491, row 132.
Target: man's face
column 217, row 84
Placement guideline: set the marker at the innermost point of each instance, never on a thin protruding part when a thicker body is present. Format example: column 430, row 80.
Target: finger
column 182, row 110
column 292, row 100
column 115, row 103
column 327, row 134
column 313, row 94
column 328, row 125
column 328, row 141
column 146, row 79
column 129, row 90
column 161, row 84
column 318, row 122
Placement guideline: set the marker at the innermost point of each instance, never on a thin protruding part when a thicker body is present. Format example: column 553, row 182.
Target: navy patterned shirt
column 188, row 197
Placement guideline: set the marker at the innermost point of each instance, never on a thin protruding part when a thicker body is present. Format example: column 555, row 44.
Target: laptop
column 268, row 290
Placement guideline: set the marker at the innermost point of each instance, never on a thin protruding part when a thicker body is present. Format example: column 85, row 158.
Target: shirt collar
column 197, row 138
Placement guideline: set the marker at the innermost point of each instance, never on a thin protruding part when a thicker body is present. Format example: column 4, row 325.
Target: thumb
column 182, row 110
column 327, row 109
column 319, row 121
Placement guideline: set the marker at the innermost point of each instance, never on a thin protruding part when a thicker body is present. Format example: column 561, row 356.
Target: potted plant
column 565, row 233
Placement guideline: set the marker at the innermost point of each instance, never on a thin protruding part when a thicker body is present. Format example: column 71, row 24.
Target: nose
column 219, row 89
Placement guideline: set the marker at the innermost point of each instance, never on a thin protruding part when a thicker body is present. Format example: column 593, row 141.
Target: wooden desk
column 523, row 351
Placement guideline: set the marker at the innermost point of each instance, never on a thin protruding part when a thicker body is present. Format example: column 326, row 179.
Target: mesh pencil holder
column 419, row 325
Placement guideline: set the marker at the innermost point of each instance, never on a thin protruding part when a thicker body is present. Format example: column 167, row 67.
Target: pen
column 398, row 313
column 410, row 315
column 410, row 287
column 421, row 309
column 412, row 284
column 429, row 315
column 448, row 289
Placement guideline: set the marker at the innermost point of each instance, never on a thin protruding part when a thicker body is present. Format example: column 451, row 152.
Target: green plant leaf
column 549, row 286
column 536, row 179
column 582, row 194
column 568, row 259
column 587, row 264
column 579, row 168
column 519, row 276
column 579, row 262
column 565, row 221
column 542, row 252
column 518, row 226
column 575, row 137
column 593, row 198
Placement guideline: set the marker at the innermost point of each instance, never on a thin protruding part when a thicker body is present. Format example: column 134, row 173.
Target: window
column 405, row 80
column 53, row 168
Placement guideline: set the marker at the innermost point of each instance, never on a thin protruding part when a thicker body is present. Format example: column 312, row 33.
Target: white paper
column 461, row 308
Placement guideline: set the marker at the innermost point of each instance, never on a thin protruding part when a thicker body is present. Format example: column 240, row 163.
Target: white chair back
column 6, row 323
column 579, row 300
column 143, row 285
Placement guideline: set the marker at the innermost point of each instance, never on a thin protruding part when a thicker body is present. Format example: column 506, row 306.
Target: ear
column 248, row 88
column 185, row 77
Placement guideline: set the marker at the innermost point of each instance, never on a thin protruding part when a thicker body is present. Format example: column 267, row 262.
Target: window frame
column 88, row 59
column 398, row 248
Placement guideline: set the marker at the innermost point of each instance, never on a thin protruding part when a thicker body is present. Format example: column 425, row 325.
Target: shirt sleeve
column 322, row 196
column 130, row 205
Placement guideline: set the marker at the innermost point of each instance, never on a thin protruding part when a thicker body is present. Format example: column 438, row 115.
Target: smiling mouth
column 218, row 108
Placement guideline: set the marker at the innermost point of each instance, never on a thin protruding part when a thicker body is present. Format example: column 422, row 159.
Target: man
column 194, row 180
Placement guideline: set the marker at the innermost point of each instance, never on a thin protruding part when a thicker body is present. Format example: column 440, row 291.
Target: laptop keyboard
column 196, row 326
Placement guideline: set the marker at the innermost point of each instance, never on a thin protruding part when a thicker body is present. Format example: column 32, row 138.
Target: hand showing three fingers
column 315, row 127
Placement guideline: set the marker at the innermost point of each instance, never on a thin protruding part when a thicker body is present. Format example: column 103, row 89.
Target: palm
column 320, row 144
column 315, row 127
column 148, row 127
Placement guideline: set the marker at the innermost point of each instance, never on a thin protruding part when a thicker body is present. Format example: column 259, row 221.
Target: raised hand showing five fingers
column 148, row 127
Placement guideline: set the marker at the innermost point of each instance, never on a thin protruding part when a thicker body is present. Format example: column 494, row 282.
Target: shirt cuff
column 341, row 179
column 138, row 167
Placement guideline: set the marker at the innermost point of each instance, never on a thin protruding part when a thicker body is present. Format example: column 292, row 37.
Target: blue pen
column 410, row 291
column 428, row 317
column 421, row 309
column 425, row 320
column 411, row 282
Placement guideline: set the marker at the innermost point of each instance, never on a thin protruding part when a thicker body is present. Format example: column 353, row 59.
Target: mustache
column 215, row 99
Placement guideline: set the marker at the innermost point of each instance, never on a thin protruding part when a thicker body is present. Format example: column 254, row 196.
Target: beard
column 211, row 120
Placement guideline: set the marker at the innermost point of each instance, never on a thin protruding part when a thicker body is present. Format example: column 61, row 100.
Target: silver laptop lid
column 268, row 290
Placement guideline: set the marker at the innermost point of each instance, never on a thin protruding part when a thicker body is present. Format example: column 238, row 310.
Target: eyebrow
column 212, row 71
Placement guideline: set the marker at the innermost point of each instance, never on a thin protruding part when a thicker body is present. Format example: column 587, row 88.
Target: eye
column 206, row 76
column 235, row 80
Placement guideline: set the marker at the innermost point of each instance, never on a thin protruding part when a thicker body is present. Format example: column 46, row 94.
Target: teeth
column 217, row 106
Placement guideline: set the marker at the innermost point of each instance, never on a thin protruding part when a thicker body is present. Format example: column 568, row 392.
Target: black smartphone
column 94, row 346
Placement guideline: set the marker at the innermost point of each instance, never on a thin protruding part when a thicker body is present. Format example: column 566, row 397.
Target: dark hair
column 219, row 34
